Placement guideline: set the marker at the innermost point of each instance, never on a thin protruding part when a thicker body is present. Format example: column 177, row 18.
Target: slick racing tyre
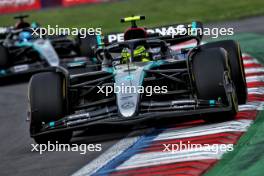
column 209, row 67
column 87, row 48
column 236, row 65
column 47, row 104
column 3, row 57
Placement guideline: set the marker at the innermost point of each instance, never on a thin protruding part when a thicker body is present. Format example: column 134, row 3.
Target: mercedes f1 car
column 21, row 52
column 206, row 79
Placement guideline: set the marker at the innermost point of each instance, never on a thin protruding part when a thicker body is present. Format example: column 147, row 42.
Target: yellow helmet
column 140, row 54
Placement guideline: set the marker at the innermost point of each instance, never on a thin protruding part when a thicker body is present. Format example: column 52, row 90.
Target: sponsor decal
column 3, row 30
column 128, row 105
column 178, row 30
column 76, row 64
column 16, row 2
column 20, row 68
column 76, row 2
column 163, row 31
column 11, row 6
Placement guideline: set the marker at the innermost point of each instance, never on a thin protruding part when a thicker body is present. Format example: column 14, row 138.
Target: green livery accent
column 94, row 60
column 29, row 45
column 52, row 124
column 129, row 78
column 99, row 41
column 212, row 102
column 194, row 26
column 76, row 64
column 24, row 44
column 109, row 70
column 2, row 72
column 151, row 64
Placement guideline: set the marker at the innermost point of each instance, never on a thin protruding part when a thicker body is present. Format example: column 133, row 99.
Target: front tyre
column 209, row 68
column 47, row 103
column 236, row 65
column 3, row 57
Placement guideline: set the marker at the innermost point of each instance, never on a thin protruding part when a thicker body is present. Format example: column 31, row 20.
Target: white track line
column 230, row 126
column 254, row 70
column 159, row 158
column 258, row 105
column 256, row 90
column 251, row 61
column 108, row 155
column 259, row 78
column 206, row 152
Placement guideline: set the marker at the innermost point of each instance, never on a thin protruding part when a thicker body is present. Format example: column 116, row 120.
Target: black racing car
column 21, row 52
column 158, row 83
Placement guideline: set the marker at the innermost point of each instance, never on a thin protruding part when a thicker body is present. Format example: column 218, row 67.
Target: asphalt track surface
column 16, row 157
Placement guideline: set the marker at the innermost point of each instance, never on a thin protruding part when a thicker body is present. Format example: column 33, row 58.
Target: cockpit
column 136, row 50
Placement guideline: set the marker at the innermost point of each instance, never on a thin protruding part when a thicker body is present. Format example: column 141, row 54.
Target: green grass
column 248, row 156
column 157, row 11
column 250, row 43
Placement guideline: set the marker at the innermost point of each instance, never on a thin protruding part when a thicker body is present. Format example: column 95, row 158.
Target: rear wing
column 174, row 31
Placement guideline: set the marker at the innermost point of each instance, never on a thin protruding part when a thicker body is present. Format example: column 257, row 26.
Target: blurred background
column 106, row 13
column 245, row 16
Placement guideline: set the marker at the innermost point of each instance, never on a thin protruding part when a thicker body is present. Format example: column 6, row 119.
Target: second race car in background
column 21, row 52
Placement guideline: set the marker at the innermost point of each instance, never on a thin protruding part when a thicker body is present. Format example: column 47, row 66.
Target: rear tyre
column 87, row 45
column 209, row 67
column 236, row 65
column 87, row 49
column 3, row 57
column 47, row 104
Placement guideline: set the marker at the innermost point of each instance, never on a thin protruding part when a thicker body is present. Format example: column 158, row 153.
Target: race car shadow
column 110, row 133
column 98, row 134
column 14, row 80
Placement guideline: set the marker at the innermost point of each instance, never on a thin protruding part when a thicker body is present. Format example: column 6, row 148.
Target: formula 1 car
column 140, row 79
column 22, row 53
column 20, row 24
